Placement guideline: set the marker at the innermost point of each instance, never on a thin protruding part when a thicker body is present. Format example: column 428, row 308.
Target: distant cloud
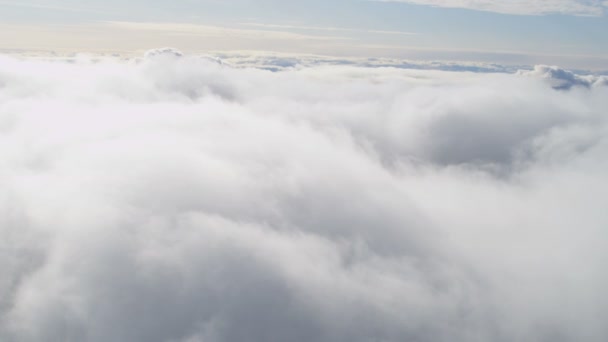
column 215, row 31
column 281, row 62
column 42, row 6
column 520, row 7
column 173, row 198
column 163, row 52
column 327, row 28
column 563, row 79
column 139, row 36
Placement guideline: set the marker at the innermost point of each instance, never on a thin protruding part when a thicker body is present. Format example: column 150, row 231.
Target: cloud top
column 179, row 199
column 563, row 79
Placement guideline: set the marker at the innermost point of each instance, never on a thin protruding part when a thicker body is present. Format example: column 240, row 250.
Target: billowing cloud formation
column 564, row 79
column 181, row 200
column 521, row 7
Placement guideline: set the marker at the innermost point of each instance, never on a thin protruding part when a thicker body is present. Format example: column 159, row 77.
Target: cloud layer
column 521, row 7
column 179, row 199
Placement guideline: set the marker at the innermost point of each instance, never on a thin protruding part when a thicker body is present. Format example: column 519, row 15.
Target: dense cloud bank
column 179, row 199
column 284, row 62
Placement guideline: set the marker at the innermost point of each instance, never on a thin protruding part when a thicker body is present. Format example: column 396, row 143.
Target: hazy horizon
column 569, row 33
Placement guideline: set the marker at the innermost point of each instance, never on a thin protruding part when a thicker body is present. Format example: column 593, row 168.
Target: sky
column 570, row 33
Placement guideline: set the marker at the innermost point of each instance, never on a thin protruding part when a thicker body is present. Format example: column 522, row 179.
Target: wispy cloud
column 520, row 7
column 137, row 36
column 217, row 31
column 327, row 28
column 51, row 7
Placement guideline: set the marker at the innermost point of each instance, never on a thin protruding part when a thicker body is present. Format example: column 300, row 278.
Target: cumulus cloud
column 521, row 7
column 178, row 199
column 563, row 79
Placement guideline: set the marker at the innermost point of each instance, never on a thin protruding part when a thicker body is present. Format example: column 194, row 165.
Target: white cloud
column 563, row 79
column 520, row 7
column 177, row 199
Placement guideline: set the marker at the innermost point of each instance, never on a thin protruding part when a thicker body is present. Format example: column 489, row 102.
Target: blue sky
column 571, row 32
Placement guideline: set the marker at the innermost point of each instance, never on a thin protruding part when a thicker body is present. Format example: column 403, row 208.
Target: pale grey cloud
column 215, row 31
column 520, row 7
column 140, row 36
column 179, row 199
column 43, row 6
column 326, row 28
